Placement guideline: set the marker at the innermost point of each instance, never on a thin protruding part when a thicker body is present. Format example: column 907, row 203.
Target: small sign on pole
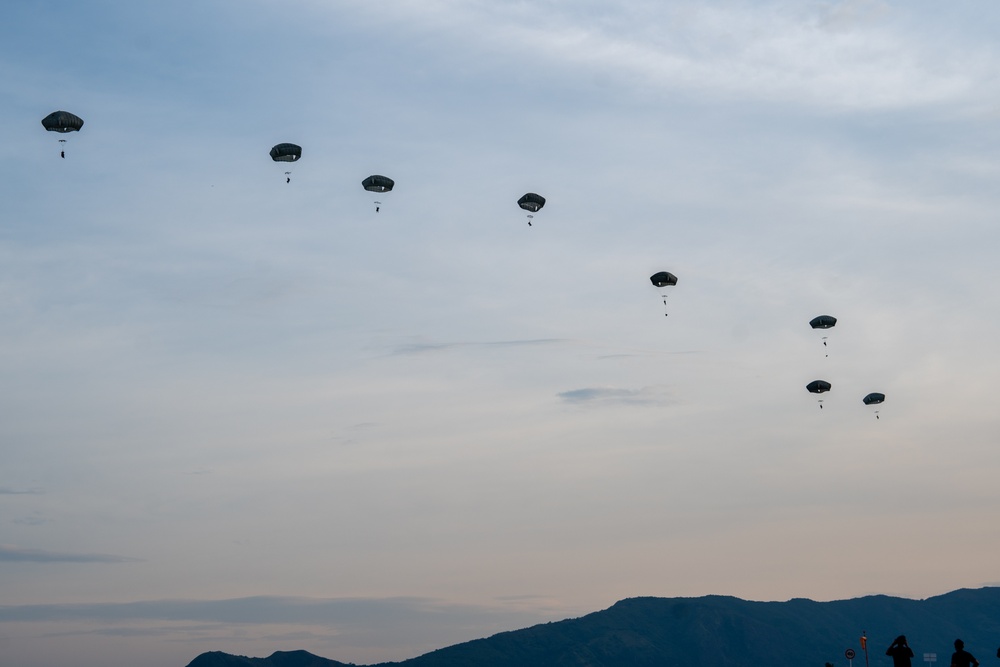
column 849, row 654
column 930, row 657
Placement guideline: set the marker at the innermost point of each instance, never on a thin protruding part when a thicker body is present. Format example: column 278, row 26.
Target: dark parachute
column 823, row 322
column 62, row 122
column 532, row 203
column 286, row 153
column 819, row 387
column 874, row 398
column 376, row 183
column 661, row 280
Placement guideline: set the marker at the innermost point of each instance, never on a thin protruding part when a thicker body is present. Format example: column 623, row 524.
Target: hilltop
column 714, row 631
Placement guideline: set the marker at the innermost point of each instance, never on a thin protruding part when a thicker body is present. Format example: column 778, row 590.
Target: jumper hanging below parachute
column 62, row 122
column 532, row 203
column 376, row 183
column 286, row 153
column 823, row 322
column 819, row 387
column 874, row 398
column 663, row 279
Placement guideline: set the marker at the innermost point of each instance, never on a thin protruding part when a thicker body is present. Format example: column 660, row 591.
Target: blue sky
column 243, row 415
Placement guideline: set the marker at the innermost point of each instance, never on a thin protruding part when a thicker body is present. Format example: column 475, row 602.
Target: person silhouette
column 900, row 652
column 961, row 657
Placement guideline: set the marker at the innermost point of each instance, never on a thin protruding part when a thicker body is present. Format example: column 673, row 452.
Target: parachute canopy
column 62, row 121
column 663, row 278
column 823, row 322
column 818, row 386
column 873, row 398
column 531, row 202
column 376, row 183
column 286, row 152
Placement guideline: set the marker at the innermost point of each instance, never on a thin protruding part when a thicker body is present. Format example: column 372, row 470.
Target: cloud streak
column 12, row 491
column 13, row 554
column 424, row 348
column 354, row 612
column 842, row 55
column 644, row 396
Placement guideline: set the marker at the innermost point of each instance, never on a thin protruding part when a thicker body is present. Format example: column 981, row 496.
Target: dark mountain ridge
column 715, row 631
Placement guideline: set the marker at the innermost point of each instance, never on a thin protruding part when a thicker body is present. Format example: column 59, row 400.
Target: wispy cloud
column 368, row 630
column 645, row 396
column 30, row 521
column 423, row 348
column 358, row 612
column 13, row 554
column 845, row 54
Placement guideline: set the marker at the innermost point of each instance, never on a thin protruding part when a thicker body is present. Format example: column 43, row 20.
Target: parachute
column 376, row 183
column 62, row 122
column 286, row 153
column 823, row 322
column 874, row 398
column 532, row 203
column 819, row 387
column 663, row 279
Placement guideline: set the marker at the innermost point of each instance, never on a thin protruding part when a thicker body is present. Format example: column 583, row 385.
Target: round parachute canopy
column 823, row 322
column 62, row 121
column 874, row 398
column 376, row 183
column 286, row 153
column 531, row 202
column 818, row 386
column 663, row 278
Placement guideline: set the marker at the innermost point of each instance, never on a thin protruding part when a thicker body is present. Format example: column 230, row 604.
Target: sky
column 247, row 415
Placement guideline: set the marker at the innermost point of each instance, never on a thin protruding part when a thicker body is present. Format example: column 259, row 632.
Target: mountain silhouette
column 715, row 631
column 277, row 659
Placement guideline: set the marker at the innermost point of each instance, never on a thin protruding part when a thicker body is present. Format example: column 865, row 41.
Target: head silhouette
column 901, row 640
column 959, row 644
